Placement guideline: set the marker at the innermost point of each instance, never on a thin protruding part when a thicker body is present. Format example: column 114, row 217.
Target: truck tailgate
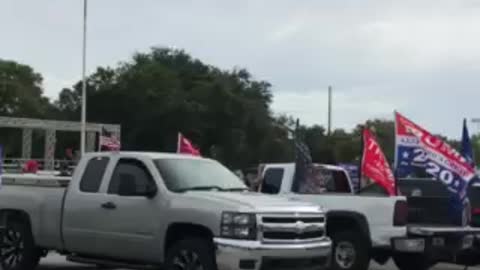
column 429, row 210
column 42, row 199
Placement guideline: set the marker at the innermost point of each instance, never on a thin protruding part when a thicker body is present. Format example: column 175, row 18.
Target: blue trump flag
column 416, row 148
column 467, row 149
column 410, row 157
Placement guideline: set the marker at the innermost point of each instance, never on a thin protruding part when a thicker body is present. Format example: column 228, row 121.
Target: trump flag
column 375, row 165
column 409, row 154
column 439, row 159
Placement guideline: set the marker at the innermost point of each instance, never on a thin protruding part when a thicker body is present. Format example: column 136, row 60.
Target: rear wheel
column 411, row 261
column 17, row 248
column 350, row 251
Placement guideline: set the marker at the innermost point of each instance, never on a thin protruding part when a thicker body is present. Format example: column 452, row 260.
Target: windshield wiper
column 236, row 189
column 200, row 188
column 211, row 188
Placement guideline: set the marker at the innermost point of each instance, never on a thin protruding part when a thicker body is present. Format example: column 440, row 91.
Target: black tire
column 350, row 251
column 18, row 250
column 196, row 251
column 411, row 261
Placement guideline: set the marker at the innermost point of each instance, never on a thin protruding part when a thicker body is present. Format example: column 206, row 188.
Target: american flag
column 303, row 162
column 109, row 141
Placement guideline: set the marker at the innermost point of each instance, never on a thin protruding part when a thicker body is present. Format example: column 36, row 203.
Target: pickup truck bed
column 22, row 192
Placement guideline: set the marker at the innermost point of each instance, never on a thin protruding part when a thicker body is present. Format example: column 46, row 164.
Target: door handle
column 109, row 205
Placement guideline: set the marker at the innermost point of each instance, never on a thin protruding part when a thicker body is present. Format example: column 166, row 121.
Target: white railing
column 15, row 165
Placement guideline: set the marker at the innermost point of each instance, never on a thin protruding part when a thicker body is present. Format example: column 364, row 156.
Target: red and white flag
column 184, row 146
column 375, row 165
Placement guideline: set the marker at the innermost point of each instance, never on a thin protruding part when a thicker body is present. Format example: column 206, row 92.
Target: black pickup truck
column 429, row 203
column 472, row 256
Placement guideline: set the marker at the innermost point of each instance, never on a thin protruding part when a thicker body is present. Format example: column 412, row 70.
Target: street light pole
column 329, row 128
column 84, row 81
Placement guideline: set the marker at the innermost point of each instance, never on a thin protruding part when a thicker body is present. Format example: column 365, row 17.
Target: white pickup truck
column 137, row 210
column 365, row 227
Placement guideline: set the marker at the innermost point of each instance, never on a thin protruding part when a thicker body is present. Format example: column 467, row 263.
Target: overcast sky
column 421, row 58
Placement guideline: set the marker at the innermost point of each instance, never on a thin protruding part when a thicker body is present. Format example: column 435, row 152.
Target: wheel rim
column 12, row 247
column 345, row 255
column 187, row 260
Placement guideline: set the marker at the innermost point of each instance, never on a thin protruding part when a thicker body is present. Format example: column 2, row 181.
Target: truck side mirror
column 151, row 190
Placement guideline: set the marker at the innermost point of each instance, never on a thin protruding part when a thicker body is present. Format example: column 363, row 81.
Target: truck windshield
column 196, row 174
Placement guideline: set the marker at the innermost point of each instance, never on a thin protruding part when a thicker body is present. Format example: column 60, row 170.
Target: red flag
column 184, row 146
column 375, row 165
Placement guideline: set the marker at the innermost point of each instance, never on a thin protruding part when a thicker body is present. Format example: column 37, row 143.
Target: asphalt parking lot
column 56, row 262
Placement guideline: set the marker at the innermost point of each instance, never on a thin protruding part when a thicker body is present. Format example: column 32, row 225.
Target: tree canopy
column 159, row 93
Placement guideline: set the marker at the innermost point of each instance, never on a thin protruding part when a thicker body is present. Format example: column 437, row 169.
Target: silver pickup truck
column 137, row 210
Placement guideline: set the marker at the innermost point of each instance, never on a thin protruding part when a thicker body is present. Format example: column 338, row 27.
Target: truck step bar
column 109, row 263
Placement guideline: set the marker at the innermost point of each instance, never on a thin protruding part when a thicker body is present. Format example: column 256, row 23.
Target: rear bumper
column 470, row 256
column 436, row 244
column 253, row 255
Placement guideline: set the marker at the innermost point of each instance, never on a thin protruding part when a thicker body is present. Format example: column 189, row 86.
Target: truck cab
column 137, row 210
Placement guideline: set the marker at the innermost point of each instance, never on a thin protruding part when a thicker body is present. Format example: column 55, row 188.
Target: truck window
column 324, row 180
column 183, row 174
column 132, row 169
column 341, row 182
column 93, row 174
column 272, row 181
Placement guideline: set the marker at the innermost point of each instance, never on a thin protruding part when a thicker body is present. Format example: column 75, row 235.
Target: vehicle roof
column 151, row 155
column 326, row 166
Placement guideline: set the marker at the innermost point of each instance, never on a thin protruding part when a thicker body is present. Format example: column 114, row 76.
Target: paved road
column 55, row 262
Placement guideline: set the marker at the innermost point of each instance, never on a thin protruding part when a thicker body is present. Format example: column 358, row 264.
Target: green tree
column 21, row 91
column 162, row 92
column 21, row 95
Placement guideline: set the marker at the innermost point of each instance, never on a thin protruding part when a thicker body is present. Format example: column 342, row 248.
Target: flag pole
column 179, row 137
column 100, row 134
column 296, row 136
column 329, row 132
column 395, row 158
column 362, row 153
column 84, row 85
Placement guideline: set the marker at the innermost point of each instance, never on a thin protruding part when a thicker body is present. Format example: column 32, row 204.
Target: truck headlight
column 238, row 226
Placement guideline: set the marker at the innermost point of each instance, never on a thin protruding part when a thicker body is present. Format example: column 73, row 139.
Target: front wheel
column 18, row 250
column 350, row 251
column 411, row 261
column 191, row 254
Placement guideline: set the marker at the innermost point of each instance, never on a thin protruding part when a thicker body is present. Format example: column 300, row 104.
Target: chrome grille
column 291, row 228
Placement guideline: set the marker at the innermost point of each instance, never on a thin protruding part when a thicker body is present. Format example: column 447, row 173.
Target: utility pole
column 329, row 128
column 84, row 82
column 476, row 121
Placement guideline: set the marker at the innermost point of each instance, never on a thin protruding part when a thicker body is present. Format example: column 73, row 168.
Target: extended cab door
column 121, row 219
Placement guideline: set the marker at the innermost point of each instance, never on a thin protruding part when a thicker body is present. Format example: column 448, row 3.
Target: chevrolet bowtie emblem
column 301, row 227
